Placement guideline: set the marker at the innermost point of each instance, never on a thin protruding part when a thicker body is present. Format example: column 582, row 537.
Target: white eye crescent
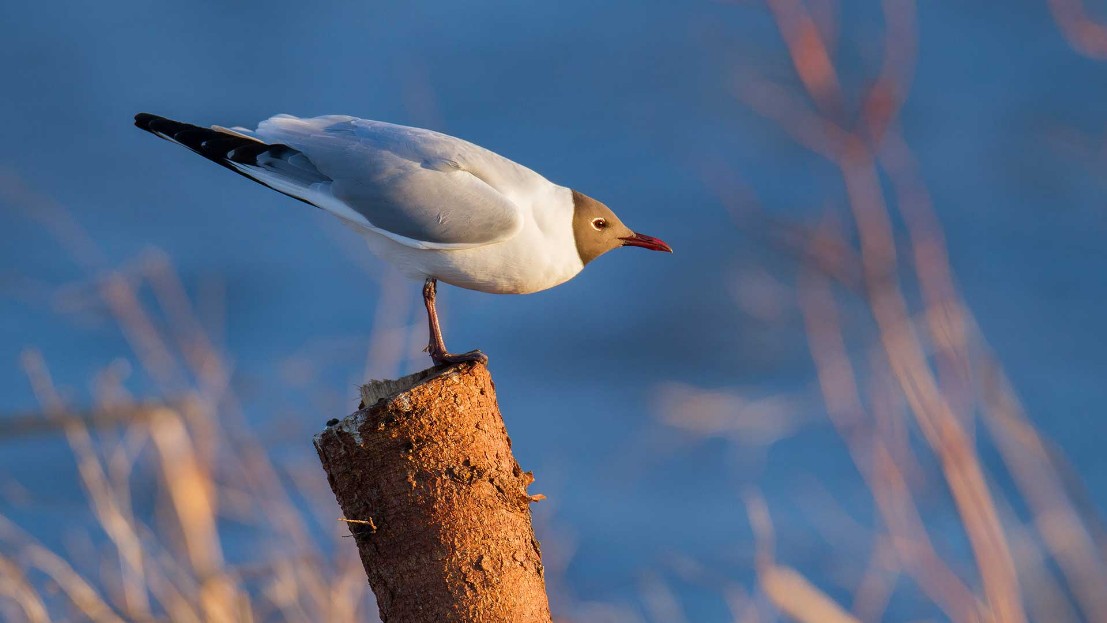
column 599, row 223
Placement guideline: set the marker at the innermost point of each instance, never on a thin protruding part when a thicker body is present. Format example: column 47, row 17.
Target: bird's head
column 598, row 230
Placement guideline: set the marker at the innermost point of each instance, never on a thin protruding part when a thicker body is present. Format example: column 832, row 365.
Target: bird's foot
column 444, row 359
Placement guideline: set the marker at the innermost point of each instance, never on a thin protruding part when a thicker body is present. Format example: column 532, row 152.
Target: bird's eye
column 599, row 223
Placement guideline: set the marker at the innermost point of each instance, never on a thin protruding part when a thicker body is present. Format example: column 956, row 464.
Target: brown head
column 598, row 230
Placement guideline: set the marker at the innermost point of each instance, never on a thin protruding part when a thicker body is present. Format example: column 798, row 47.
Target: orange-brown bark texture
column 436, row 501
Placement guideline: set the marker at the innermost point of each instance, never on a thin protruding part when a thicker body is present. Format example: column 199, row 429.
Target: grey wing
column 400, row 184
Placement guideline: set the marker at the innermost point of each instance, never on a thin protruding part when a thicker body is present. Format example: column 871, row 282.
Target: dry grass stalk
column 788, row 590
column 943, row 429
column 1083, row 33
column 1058, row 522
column 891, row 493
column 931, row 365
column 799, row 599
column 174, row 567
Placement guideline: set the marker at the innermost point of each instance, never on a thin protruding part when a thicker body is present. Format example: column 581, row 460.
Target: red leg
column 437, row 347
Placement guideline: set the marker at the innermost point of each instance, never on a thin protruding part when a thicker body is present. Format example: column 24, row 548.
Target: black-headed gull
column 435, row 206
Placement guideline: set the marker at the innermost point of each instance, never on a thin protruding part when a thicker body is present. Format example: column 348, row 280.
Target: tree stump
column 436, row 502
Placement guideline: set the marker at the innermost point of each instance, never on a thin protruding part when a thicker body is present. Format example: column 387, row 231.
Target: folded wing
column 417, row 187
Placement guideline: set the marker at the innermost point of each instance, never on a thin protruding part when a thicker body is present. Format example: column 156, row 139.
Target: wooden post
column 436, row 502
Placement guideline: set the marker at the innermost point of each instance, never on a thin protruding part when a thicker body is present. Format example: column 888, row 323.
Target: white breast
column 541, row 255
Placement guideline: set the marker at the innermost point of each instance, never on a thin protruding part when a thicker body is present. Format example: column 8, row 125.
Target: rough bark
column 436, row 502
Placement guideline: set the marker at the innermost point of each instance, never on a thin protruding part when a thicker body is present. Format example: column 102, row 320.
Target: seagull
column 437, row 207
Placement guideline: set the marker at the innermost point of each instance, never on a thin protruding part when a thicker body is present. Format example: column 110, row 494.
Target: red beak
column 646, row 242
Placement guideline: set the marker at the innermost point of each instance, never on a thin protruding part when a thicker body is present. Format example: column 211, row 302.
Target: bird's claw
column 443, row 359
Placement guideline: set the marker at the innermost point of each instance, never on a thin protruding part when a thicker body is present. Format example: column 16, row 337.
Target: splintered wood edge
column 374, row 391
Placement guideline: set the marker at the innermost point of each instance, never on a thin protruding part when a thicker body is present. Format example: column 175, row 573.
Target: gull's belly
column 526, row 263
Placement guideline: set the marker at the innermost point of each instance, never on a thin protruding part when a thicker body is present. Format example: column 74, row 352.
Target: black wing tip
column 217, row 146
column 222, row 148
column 186, row 134
column 145, row 121
column 161, row 126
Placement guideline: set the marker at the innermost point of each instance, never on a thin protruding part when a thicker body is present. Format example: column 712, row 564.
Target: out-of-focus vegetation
column 912, row 381
column 906, row 379
column 189, row 450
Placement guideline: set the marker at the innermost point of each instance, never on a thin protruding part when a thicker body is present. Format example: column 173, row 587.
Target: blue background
column 630, row 102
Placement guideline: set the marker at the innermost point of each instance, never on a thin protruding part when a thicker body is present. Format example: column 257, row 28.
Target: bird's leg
column 437, row 346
